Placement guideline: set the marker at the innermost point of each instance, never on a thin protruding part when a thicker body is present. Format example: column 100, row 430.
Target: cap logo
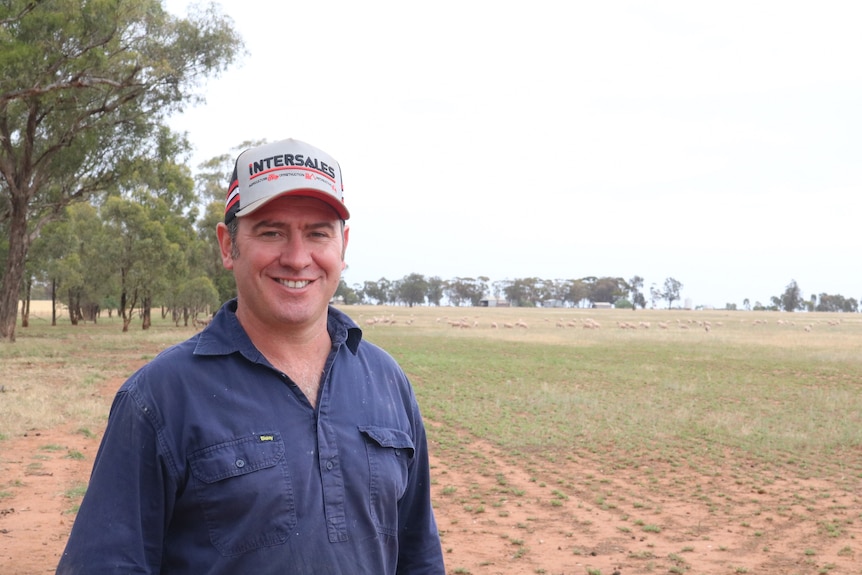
column 290, row 160
column 285, row 167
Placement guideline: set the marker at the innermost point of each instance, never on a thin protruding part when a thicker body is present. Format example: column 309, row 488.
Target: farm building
column 493, row 303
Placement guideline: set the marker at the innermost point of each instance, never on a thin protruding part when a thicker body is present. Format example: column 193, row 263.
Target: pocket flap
column 388, row 437
column 237, row 457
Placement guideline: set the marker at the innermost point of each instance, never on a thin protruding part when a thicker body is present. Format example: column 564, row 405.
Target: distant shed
column 602, row 305
column 493, row 303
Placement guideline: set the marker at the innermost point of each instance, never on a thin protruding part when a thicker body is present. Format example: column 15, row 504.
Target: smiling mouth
column 294, row 284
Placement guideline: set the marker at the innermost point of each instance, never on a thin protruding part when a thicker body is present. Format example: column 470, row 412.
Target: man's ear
column 346, row 236
column 225, row 245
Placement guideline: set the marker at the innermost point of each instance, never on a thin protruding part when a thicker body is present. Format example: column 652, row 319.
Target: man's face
column 289, row 263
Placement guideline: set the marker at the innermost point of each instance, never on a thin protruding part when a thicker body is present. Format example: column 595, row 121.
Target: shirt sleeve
column 420, row 552
column 121, row 523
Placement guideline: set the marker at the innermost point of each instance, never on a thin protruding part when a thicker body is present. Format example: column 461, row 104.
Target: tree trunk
column 126, row 313
column 73, row 307
column 54, row 302
column 10, row 284
column 25, row 303
column 147, row 320
column 127, row 303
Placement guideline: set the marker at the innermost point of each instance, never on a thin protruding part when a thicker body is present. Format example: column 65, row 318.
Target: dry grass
column 53, row 374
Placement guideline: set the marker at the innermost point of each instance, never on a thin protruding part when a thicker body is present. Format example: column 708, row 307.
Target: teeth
column 294, row 284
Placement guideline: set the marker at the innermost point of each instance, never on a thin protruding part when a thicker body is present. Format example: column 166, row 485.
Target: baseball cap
column 286, row 168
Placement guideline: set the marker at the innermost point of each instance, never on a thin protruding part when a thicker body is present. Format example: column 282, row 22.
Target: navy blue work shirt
column 214, row 462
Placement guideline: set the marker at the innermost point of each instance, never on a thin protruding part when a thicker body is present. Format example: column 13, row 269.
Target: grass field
column 756, row 381
column 700, row 390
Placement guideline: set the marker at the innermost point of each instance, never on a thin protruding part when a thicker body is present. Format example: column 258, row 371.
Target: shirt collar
column 224, row 335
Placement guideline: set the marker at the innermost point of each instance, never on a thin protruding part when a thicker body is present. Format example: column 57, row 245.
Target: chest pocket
column 245, row 491
column 390, row 452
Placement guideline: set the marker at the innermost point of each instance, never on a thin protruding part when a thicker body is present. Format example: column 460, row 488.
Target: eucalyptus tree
column 836, row 302
column 466, row 290
column 411, row 289
column 211, row 183
column 84, row 90
column 69, row 254
column 671, row 291
column 434, row 293
column 522, row 292
column 634, row 286
column 193, row 297
column 605, row 289
column 791, row 299
column 164, row 187
column 347, row 294
column 576, row 291
column 139, row 250
column 380, row 291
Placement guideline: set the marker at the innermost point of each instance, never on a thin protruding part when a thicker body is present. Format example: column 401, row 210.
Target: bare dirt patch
column 583, row 517
column 505, row 514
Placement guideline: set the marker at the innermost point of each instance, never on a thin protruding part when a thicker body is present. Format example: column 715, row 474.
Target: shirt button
column 329, row 465
column 240, row 463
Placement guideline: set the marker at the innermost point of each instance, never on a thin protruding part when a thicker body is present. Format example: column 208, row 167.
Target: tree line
column 416, row 289
column 792, row 299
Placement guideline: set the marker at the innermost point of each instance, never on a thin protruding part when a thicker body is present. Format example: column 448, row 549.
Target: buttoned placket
column 331, row 472
column 329, row 464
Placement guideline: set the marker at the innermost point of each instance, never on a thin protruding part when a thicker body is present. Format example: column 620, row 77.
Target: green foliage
column 791, row 299
column 85, row 93
column 198, row 295
column 411, row 289
column 465, row 290
column 670, row 294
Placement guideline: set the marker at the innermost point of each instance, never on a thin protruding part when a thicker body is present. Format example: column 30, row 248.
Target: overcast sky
column 718, row 143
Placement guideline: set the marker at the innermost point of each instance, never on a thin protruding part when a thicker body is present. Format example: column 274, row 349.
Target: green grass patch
column 749, row 386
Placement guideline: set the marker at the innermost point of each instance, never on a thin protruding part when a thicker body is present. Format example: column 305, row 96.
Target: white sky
column 718, row 143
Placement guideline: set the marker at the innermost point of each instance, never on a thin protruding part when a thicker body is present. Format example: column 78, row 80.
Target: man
column 276, row 441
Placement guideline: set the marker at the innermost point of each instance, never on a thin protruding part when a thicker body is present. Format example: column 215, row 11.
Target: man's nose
column 295, row 253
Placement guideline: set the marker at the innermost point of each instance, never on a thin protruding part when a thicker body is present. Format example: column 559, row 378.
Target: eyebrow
column 282, row 225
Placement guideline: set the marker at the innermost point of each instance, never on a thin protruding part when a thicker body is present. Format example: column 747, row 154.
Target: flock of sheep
column 585, row 323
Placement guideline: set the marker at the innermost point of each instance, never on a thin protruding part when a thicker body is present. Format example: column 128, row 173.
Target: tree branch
column 86, row 82
column 24, row 11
